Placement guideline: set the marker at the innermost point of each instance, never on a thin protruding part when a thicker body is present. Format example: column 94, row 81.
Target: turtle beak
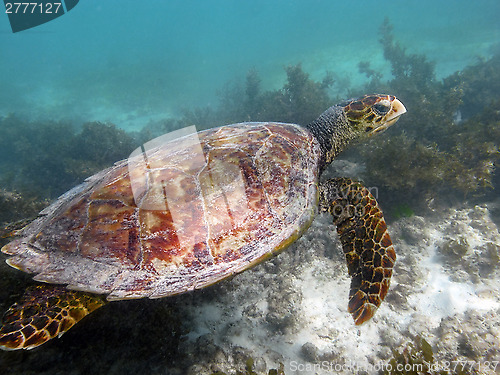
column 397, row 109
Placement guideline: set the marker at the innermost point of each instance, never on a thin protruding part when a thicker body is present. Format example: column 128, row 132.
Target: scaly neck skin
column 333, row 132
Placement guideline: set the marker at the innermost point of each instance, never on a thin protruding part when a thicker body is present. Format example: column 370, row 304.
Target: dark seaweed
column 417, row 358
column 300, row 101
column 46, row 159
column 446, row 147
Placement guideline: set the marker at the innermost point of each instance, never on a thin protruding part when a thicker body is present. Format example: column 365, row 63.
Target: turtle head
column 372, row 114
column 351, row 120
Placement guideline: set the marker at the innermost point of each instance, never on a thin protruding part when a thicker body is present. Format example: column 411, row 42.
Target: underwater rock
column 473, row 336
column 296, row 304
column 342, row 167
column 282, row 308
column 470, row 244
column 309, row 352
column 293, row 308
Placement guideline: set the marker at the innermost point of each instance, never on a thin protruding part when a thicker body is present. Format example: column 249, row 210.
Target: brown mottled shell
column 179, row 217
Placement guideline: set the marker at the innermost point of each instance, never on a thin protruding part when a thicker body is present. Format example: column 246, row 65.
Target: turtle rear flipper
column 365, row 241
column 44, row 312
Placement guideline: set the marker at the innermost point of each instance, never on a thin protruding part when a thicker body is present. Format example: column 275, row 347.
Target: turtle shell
column 180, row 216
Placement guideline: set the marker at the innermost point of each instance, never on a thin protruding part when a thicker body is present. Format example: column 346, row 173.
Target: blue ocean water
column 126, row 61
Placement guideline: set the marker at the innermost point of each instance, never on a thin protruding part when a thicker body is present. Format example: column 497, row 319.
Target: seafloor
column 291, row 310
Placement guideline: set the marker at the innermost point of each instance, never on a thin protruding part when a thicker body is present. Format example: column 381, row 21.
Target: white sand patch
column 321, row 337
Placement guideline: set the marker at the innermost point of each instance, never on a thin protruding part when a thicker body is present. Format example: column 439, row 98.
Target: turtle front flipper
column 365, row 241
column 44, row 312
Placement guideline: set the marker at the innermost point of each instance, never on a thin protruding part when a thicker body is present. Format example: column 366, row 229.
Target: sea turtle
column 192, row 211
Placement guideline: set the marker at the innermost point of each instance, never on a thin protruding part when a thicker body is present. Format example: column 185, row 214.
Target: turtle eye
column 381, row 108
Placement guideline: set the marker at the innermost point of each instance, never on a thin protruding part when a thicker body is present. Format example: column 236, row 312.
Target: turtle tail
column 44, row 312
column 365, row 241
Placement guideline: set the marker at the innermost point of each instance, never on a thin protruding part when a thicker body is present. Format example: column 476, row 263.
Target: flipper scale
column 44, row 312
column 365, row 241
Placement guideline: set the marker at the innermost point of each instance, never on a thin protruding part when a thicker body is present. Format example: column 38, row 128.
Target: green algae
column 417, row 358
column 402, row 210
